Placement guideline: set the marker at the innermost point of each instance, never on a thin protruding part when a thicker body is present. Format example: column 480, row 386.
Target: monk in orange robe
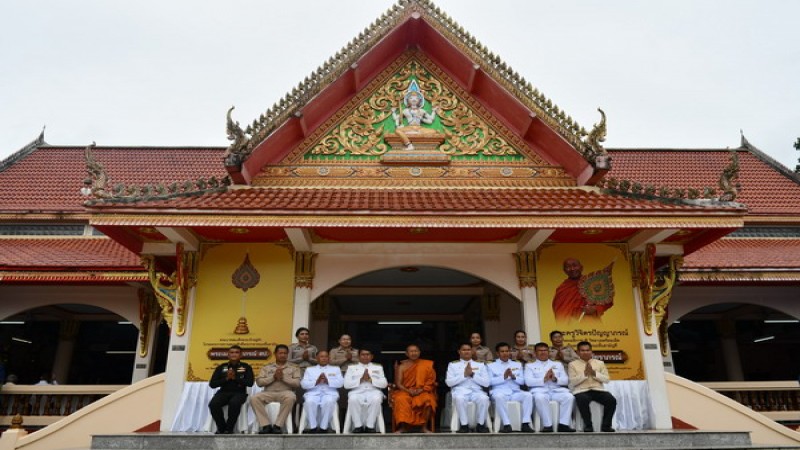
column 568, row 302
column 415, row 394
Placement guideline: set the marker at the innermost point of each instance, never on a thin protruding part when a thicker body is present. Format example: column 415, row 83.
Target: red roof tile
column 85, row 253
column 414, row 201
column 50, row 178
column 764, row 190
column 746, row 253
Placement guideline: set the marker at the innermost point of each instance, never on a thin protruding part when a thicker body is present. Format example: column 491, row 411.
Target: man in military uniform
column 506, row 378
column 466, row 379
column 232, row 378
column 365, row 381
column 321, row 383
column 548, row 381
column 279, row 381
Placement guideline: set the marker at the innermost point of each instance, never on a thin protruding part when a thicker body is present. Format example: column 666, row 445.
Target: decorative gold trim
column 639, row 375
column 89, row 277
column 190, row 376
column 643, row 277
column 662, row 293
column 539, row 220
column 526, row 269
column 186, row 276
column 304, row 269
column 490, row 306
column 148, row 309
column 743, row 276
column 164, row 287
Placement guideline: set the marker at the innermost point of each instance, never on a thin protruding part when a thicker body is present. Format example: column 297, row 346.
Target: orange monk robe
column 411, row 409
column 568, row 303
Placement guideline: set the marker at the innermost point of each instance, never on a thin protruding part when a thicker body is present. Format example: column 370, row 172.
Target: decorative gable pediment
column 370, row 138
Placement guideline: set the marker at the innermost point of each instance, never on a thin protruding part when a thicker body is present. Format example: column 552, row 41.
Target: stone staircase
column 677, row 439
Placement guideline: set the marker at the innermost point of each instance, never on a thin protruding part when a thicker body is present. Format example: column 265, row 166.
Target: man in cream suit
column 466, row 379
column 365, row 380
column 586, row 377
column 321, row 383
column 548, row 381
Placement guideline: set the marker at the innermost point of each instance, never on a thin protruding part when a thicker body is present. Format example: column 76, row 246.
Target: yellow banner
column 585, row 291
column 245, row 297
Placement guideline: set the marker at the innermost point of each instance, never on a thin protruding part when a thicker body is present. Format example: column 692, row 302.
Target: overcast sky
column 682, row 74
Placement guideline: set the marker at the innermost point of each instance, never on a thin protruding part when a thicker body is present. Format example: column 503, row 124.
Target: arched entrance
column 735, row 342
column 69, row 343
column 433, row 307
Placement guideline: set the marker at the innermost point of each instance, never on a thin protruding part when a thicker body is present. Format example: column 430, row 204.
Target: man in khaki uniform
column 279, row 381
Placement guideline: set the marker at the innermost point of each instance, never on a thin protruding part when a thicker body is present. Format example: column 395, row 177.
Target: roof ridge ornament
column 595, row 138
column 729, row 180
column 97, row 186
column 237, row 152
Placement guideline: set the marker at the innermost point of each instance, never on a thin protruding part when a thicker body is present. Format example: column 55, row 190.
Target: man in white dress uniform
column 466, row 379
column 365, row 381
column 506, row 378
column 321, row 383
column 548, row 381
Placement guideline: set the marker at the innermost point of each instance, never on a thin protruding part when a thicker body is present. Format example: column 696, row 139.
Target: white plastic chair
column 597, row 417
column 555, row 413
column 334, row 420
column 273, row 408
column 514, row 416
column 242, row 423
column 472, row 412
column 348, row 423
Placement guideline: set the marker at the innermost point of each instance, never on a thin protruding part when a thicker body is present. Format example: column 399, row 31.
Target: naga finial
column 729, row 180
column 96, row 181
column 234, row 154
column 596, row 137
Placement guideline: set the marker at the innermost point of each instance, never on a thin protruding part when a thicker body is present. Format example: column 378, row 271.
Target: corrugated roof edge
column 23, row 152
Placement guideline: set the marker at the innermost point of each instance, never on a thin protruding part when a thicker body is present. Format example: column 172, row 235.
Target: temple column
column 653, row 369
column 148, row 325
column 303, row 282
column 526, row 271
column 67, row 334
column 177, row 302
column 730, row 350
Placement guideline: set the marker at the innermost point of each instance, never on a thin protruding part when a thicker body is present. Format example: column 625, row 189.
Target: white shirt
column 352, row 379
column 497, row 371
column 459, row 383
column 333, row 373
column 535, row 372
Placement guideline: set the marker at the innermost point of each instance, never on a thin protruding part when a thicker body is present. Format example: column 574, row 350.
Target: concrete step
column 651, row 440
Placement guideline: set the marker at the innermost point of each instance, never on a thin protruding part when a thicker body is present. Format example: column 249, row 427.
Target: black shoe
column 482, row 428
column 369, row 430
column 607, row 430
column 565, row 428
column 276, row 430
column 228, row 432
column 463, row 429
column 526, row 428
column 266, row 429
column 358, row 430
column 588, row 430
column 506, row 429
column 219, row 432
column 547, row 429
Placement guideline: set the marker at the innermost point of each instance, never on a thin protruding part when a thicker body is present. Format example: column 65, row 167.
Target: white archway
column 121, row 300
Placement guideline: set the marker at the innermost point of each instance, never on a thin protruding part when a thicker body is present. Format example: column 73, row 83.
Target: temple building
column 414, row 188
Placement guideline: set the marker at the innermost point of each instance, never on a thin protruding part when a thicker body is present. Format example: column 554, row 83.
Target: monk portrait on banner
column 583, row 297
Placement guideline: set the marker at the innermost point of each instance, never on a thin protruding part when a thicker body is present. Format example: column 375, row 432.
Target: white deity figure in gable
column 415, row 116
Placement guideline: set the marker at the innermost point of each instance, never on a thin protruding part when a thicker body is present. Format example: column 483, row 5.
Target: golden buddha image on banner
column 244, row 297
column 585, row 291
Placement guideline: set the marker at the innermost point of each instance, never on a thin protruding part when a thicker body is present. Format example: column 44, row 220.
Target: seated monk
column 414, row 397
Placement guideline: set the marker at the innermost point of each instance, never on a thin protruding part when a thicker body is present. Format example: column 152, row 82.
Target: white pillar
column 142, row 364
column 177, row 362
column 302, row 308
column 530, row 314
column 653, row 369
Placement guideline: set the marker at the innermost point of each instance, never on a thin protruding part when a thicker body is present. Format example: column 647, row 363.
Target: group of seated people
column 531, row 375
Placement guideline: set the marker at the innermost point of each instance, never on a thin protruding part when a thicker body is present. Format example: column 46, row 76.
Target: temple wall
column 686, row 299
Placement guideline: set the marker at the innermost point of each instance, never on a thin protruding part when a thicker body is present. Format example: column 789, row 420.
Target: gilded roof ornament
column 96, row 181
column 237, row 152
column 595, row 138
column 729, row 180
